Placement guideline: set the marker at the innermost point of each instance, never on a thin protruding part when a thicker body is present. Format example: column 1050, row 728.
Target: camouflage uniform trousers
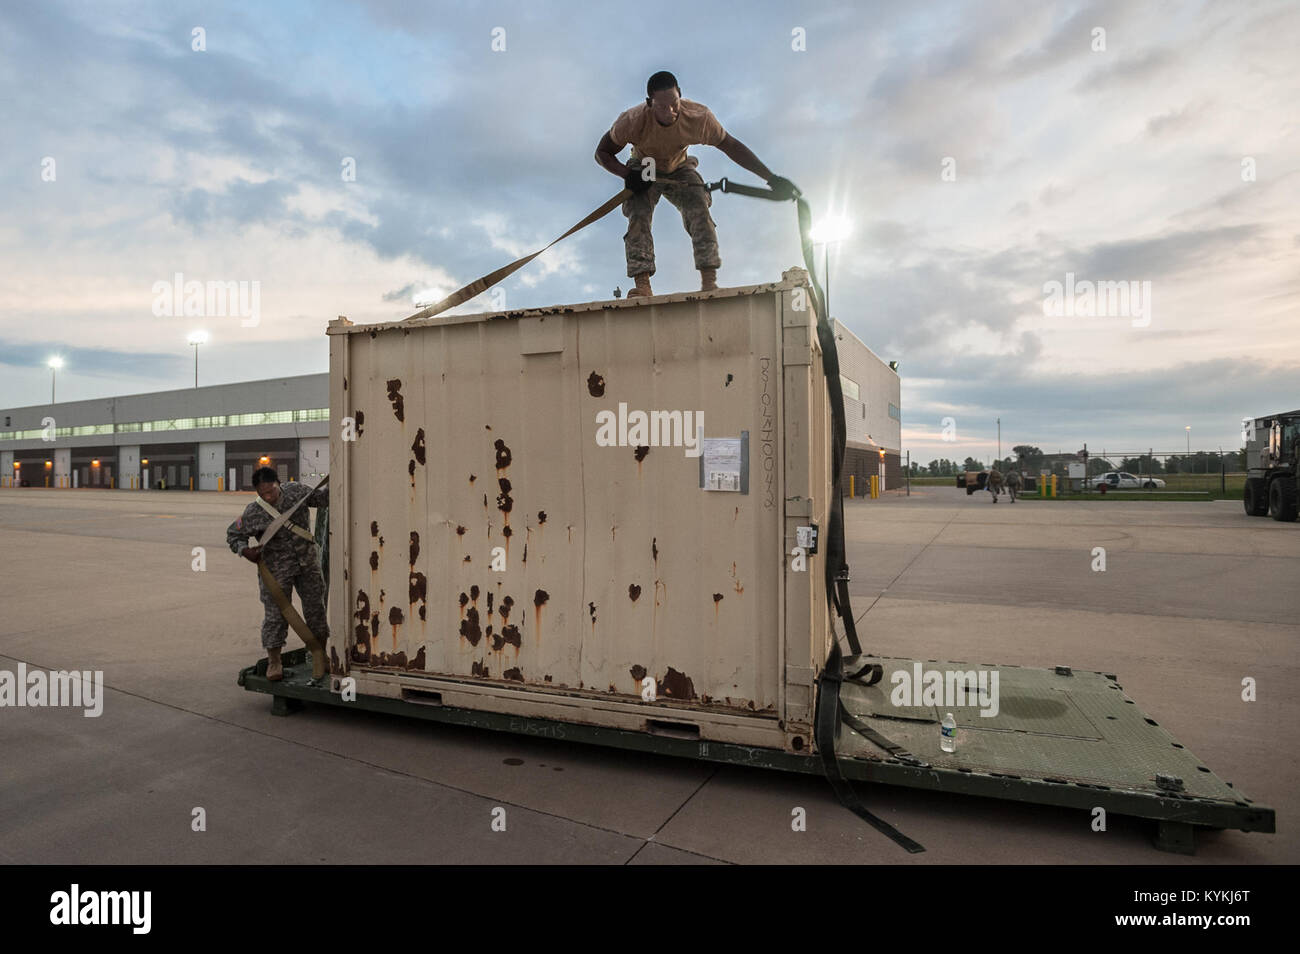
column 296, row 567
column 692, row 200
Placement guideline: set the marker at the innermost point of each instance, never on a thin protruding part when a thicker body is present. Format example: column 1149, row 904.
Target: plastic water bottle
column 948, row 734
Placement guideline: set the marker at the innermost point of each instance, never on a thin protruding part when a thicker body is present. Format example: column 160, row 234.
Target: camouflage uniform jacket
column 286, row 546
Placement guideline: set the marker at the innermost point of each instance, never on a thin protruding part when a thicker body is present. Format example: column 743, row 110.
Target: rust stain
column 469, row 627
column 717, row 597
column 395, row 395
column 418, row 592
column 460, row 531
column 505, row 503
column 381, row 597
column 541, row 517
column 464, row 601
column 473, row 594
column 507, row 604
column 595, row 385
column 479, row 669
column 490, row 597
column 415, row 547
column 472, row 478
column 638, row 673
column 395, row 619
column 654, row 551
column 361, row 646
column 539, row 600
column 374, row 528
column 381, row 543
column 374, row 627
column 612, row 531
column 513, row 674
column 570, row 529
column 417, row 448
column 591, row 608
column 418, row 662
column 546, row 678
column 466, row 560
column 678, row 685
column 345, row 382
column 503, row 455
column 360, row 418
column 525, row 560
column 717, row 601
column 396, row 660
column 633, row 592
column 374, row 560
column 513, row 637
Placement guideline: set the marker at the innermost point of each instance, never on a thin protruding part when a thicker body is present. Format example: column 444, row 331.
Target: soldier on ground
column 994, row 483
column 291, row 556
column 1013, row 484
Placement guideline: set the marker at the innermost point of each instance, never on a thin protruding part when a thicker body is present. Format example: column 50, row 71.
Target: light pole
column 1188, row 428
column 832, row 229
column 197, row 338
column 55, row 363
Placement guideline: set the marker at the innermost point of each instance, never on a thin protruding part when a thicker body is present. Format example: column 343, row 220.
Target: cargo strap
column 293, row 527
column 282, row 518
column 480, row 285
column 830, row 711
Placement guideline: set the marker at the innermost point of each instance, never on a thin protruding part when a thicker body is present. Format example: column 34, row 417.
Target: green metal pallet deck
column 1060, row 737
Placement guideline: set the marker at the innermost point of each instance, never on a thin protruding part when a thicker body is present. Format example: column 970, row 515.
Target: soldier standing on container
column 291, row 556
column 660, row 129
column 1013, row 484
column 995, row 483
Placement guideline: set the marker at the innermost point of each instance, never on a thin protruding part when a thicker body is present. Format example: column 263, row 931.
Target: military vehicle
column 1272, row 446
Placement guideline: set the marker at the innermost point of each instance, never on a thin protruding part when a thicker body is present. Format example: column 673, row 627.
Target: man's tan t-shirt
column 666, row 145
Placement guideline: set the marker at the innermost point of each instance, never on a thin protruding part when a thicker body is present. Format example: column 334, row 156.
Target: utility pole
column 999, row 440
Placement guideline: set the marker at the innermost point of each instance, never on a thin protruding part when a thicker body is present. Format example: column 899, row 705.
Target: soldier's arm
column 607, row 156
column 237, row 535
column 740, row 154
column 250, row 523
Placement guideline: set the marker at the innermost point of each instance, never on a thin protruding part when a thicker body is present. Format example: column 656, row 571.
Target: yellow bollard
column 851, row 493
column 220, row 482
column 1053, row 485
column 191, row 484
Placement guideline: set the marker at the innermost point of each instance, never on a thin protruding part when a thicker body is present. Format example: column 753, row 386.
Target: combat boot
column 708, row 279
column 642, row 289
column 274, row 670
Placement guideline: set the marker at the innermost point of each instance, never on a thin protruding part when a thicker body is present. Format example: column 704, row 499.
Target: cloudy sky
column 980, row 151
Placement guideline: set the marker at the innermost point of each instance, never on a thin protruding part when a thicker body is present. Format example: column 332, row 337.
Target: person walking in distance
column 1013, row 484
column 994, row 483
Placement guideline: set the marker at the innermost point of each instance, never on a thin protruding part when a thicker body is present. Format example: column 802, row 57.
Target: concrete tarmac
column 1195, row 598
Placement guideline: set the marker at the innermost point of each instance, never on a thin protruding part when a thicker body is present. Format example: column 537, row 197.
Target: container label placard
column 724, row 464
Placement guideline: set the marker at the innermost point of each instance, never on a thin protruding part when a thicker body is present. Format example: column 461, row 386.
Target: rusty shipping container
column 587, row 513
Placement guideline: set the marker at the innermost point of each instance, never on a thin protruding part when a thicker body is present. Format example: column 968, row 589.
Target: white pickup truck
column 1119, row 480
